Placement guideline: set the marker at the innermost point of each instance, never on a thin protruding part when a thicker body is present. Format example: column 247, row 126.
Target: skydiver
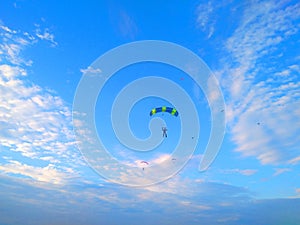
column 144, row 163
column 164, row 130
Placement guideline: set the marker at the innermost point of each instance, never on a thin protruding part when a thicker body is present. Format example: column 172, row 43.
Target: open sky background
column 252, row 47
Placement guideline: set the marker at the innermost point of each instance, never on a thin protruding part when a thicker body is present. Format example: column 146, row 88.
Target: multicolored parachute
column 170, row 110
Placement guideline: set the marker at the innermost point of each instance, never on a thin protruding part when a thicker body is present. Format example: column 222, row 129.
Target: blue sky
column 251, row 47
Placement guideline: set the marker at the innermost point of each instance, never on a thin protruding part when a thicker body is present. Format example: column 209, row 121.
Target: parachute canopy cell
column 170, row 110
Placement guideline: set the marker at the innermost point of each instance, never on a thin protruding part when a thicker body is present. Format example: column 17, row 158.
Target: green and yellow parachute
column 170, row 110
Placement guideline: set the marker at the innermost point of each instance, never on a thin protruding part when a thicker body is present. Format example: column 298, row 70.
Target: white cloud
column 11, row 45
column 262, row 101
column 48, row 174
column 263, row 27
column 244, row 172
column 161, row 158
column 205, row 18
column 34, row 119
column 209, row 14
column 213, row 94
column 295, row 160
column 279, row 171
column 90, row 70
column 195, row 206
column 35, row 123
column 46, row 35
column 127, row 25
column 8, row 30
column 247, row 172
column 8, row 72
column 216, row 17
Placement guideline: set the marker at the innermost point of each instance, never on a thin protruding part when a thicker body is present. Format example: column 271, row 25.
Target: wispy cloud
column 127, row 25
column 262, row 101
column 183, row 201
column 35, row 123
column 108, row 200
column 12, row 43
column 49, row 173
column 123, row 22
column 244, row 172
column 206, row 18
column 90, row 70
column 46, row 35
column 294, row 160
column 211, row 16
column 279, row 171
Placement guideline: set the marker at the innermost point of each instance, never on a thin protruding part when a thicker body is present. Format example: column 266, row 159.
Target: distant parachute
column 144, row 164
column 170, row 110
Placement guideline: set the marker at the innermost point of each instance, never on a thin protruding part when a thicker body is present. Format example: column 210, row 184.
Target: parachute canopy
column 144, row 163
column 170, row 110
